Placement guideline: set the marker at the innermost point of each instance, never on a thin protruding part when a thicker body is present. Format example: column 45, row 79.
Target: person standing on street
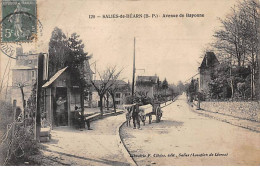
column 78, row 119
column 60, row 110
column 135, row 116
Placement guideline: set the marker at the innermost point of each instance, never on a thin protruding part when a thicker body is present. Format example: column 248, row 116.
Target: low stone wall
column 247, row 110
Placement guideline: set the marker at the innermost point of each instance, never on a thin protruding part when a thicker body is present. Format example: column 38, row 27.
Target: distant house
column 146, row 86
column 123, row 91
column 23, row 73
column 206, row 69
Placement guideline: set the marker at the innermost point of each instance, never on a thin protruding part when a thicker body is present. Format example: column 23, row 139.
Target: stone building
column 146, row 86
column 124, row 91
column 121, row 94
column 24, row 75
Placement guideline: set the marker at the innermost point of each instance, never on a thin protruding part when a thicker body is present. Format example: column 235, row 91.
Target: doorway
column 63, row 118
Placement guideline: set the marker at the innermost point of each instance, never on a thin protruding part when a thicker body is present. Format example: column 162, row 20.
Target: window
column 117, row 95
column 117, row 102
column 33, row 74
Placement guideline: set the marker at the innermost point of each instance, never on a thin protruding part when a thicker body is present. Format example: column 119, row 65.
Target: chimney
column 19, row 51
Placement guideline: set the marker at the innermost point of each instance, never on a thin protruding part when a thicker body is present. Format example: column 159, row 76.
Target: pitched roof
column 54, row 77
column 209, row 60
column 119, row 82
column 147, row 79
column 122, row 85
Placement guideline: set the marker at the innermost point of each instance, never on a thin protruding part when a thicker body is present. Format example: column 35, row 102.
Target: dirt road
column 89, row 147
column 186, row 138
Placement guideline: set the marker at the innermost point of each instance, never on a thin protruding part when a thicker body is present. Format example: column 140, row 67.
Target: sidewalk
column 236, row 121
column 169, row 102
column 97, row 115
column 100, row 146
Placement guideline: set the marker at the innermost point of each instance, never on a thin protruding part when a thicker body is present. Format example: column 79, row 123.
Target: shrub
column 17, row 138
column 6, row 117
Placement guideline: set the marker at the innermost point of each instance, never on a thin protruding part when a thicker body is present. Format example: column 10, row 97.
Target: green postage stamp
column 19, row 21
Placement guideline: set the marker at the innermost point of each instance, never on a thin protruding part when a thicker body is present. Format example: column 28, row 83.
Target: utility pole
column 38, row 97
column 133, row 83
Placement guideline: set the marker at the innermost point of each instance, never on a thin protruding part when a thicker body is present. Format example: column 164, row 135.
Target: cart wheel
column 158, row 114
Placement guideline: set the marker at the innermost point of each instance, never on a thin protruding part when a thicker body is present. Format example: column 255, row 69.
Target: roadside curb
column 170, row 102
column 235, row 122
column 105, row 115
column 122, row 146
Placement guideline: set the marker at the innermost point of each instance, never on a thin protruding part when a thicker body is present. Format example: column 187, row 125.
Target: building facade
column 146, row 86
column 24, row 75
column 60, row 85
column 121, row 94
column 206, row 69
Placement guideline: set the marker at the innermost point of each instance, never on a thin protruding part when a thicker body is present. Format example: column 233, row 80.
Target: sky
column 168, row 47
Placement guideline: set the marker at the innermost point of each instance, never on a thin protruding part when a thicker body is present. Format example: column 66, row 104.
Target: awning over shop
column 54, row 77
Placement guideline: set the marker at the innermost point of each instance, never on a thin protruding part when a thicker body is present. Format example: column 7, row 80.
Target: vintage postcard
column 129, row 83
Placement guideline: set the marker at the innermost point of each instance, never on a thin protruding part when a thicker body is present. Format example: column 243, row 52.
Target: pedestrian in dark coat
column 78, row 118
column 135, row 116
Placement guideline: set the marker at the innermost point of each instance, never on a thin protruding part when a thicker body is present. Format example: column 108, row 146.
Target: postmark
column 18, row 22
column 19, row 25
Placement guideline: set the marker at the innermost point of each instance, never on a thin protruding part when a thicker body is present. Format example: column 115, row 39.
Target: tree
column 239, row 38
column 69, row 52
column 174, row 90
column 112, row 91
column 224, row 81
column 165, row 84
column 107, row 79
column 115, row 88
column 165, row 87
column 180, row 87
column 106, row 97
column 75, row 63
column 158, row 85
column 192, row 89
column 31, row 102
column 242, row 89
column 58, row 51
column 142, row 90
